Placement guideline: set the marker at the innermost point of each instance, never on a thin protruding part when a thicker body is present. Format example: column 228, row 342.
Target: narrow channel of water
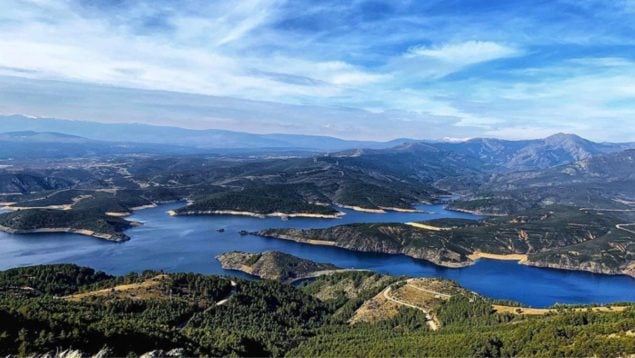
column 190, row 244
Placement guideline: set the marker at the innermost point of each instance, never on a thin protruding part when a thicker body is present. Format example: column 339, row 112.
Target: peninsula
column 561, row 237
column 274, row 265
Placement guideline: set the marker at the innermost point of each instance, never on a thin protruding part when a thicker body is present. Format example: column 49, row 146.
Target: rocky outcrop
column 107, row 352
column 566, row 238
column 272, row 265
column 253, row 214
column 116, row 237
column 565, row 262
column 391, row 239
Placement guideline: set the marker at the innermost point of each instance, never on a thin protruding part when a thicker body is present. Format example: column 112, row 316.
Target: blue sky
column 361, row 69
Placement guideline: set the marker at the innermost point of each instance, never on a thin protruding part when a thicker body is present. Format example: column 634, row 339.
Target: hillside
column 273, row 265
column 537, row 237
column 599, row 182
column 83, row 222
column 558, row 149
column 44, row 309
column 285, row 200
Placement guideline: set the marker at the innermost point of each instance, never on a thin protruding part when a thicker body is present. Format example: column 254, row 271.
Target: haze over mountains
column 56, row 138
column 216, row 139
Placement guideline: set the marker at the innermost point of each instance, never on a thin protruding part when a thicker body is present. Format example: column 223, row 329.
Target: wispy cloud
column 512, row 68
column 465, row 53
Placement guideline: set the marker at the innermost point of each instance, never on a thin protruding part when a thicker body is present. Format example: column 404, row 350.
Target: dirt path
column 622, row 227
column 429, row 319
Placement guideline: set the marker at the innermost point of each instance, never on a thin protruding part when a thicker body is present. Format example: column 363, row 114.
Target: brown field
column 424, row 294
column 147, row 289
column 376, row 309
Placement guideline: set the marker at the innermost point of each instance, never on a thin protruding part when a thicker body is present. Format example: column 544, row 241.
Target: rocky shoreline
column 256, row 215
column 450, row 259
column 116, row 237
column 274, row 265
column 444, row 258
column 628, row 270
column 473, row 212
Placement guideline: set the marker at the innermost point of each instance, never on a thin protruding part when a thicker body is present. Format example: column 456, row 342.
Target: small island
column 274, row 265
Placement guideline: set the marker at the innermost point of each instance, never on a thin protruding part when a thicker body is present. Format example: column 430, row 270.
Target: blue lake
column 190, row 244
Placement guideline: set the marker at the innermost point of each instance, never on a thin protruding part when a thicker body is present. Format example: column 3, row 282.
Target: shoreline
column 401, row 210
column 304, row 241
column 257, row 215
column 380, row 210
column 472, row 258
column 242, row 267
column 473, row 212
column 427, row 227
column 477, row 255
column 627, row 272
column 63, row 207
column 67, row 230
column 334, row 244
column 542, row 311
column 361, row 209
column 121, row 214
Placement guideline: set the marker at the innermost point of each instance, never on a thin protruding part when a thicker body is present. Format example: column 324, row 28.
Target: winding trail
column 622, row 227
column 429, row 318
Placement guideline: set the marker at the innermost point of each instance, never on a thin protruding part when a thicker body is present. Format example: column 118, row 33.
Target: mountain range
column 210, row 139
column 44, row 137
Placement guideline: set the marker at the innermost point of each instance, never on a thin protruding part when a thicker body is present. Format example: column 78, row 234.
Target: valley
column 571, row 213
column 346, row 179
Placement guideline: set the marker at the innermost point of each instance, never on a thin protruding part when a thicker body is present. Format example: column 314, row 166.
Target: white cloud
column 464, row 53
column 207, row 53
column 323, row 57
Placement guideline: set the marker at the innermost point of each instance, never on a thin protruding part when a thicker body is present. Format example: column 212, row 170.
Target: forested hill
column 44, row 309
column 558, row 236
column 272, row 265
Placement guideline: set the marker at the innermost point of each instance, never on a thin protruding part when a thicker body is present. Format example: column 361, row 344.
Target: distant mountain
column 601, row 169
column 421, row 161
column 32, row 136
column 558, row 149
column 604, row 181
column 435, row 159
column 430, row 161
column 51, row 145
column 202, row 139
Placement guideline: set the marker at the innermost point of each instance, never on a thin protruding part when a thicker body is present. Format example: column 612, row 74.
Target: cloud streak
column 511, row 69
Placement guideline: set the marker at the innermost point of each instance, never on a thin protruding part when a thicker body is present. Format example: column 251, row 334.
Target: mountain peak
column 560, row 137
column 416, row 146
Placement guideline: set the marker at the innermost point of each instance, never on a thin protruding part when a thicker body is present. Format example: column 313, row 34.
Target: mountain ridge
column 197, row 138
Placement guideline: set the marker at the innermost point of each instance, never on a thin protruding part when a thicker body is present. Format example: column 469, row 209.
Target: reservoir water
column 190, row 243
